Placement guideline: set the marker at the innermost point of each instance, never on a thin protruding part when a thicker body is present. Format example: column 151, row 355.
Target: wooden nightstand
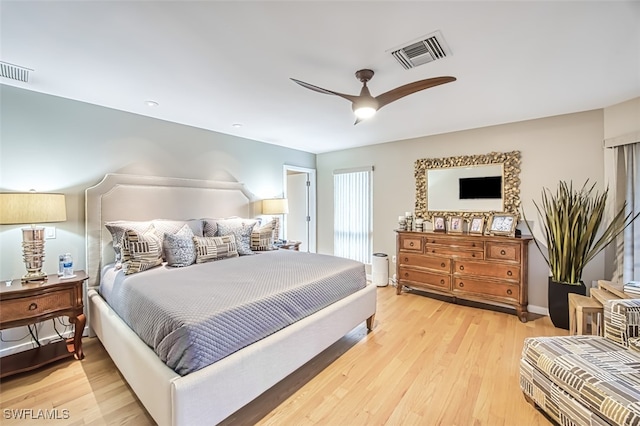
column 32, row 302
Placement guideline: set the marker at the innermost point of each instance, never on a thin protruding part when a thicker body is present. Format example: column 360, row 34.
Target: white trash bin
column 380, row 269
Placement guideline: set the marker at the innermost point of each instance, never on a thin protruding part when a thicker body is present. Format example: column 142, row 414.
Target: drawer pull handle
column 441, row 281
column 502, row 252
column 509, row 273
column 411, row 244
column 461, row 267
column 509, row 292
column 473, row 255
column 433, row 251
column 461, row 285
column 406, row 274
column 33, row 306
column 443, row 264
column 406, row 259
column 473, row 244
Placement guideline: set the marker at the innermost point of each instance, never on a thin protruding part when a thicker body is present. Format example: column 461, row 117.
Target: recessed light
column 236, row 125
column 151, row 103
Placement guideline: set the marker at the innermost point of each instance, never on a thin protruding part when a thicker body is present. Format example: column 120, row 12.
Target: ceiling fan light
column 365, row 112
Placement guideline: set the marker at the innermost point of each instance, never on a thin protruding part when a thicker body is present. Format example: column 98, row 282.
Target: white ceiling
column 212, row 64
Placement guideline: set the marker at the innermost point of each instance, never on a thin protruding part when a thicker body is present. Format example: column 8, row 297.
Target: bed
column 213, row 392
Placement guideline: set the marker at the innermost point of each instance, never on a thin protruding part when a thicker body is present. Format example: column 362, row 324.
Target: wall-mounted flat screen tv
column 486, row 187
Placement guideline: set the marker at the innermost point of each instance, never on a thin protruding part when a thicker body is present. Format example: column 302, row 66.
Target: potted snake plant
column 571, row 221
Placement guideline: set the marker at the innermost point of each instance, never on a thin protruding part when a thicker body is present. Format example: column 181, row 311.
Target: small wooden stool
column 579, row 306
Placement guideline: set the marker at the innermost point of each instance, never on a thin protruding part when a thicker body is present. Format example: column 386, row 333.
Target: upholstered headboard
column 133, row 197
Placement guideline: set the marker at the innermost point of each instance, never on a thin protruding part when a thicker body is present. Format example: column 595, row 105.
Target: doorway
column 300, row 191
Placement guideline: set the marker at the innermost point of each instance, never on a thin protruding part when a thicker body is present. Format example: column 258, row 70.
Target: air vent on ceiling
column 14, row 72
column 422, row 51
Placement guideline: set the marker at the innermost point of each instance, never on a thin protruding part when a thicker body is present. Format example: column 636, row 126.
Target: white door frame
column 312, row 201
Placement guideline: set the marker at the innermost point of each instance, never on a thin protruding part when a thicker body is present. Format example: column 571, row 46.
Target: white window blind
column 353, row 224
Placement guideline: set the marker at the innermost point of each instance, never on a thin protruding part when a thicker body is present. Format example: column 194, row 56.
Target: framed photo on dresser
column 476, row 225
column 503, row 224
column 455, row 224
column 439, row 224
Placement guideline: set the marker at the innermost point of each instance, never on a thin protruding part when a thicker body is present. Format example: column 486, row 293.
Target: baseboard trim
column 540, row 310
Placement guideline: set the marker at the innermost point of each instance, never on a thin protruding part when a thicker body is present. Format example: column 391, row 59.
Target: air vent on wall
column 422, row 51
column 14, row 72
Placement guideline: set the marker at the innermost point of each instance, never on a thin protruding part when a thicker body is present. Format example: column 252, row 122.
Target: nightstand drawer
column 30, row 307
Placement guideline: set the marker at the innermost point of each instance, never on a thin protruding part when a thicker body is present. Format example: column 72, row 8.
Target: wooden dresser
column 479, row 268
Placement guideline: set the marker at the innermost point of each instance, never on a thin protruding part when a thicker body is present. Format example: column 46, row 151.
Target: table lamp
column 32, row 208
column 276, row 206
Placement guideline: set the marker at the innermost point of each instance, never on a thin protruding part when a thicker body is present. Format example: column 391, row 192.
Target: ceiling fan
column 364, row 105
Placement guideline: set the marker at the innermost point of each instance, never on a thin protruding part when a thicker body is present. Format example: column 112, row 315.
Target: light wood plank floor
column 427, row 362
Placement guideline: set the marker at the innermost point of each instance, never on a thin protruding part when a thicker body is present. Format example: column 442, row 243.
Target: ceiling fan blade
column 407, row 89
column 351, row 98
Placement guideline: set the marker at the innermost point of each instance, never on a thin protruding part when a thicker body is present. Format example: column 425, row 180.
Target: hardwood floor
column 427, row 362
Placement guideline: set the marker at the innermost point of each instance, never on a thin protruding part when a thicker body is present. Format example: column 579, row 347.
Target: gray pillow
column 179, row 249
column 241, row 231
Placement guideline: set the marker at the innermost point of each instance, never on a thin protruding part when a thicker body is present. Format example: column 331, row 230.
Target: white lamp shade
column 31, row 207
column 275, row 206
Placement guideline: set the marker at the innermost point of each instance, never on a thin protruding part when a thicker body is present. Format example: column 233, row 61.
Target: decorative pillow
column 118, row 228
column 140, row 251
column 241, row 230
column 179, row 249
column 210, row 227
column 165, row 226
column 262, row 238
column 215, row 248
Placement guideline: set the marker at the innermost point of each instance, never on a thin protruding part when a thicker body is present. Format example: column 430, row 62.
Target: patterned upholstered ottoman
column 588, row 380
column 582, row 380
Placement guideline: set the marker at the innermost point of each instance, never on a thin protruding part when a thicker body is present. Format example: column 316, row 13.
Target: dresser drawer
column 441, row 264
column 31, row 307
column 448, row 251
column 487, row 269
column 408, row 276
column 411, row 243
column 451, row 241
column 502, row 251
column 509, row 292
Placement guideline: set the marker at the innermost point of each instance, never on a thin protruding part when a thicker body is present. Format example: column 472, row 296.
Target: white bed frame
column 211, row 394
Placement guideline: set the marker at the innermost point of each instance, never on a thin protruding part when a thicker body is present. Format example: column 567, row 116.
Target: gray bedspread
column 194, row 316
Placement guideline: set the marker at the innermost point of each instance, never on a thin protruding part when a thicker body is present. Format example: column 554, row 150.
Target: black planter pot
column 558, row 299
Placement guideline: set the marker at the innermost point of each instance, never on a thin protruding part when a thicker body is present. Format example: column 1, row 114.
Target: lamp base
column 33, row 253
column 34, row 276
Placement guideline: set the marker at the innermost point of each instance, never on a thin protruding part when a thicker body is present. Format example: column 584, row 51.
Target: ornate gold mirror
column 471, row 185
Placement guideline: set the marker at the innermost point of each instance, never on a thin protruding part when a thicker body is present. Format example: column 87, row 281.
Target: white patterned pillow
column 215, row 248
column 140, row 251
column 241, row 229
column 262, row 238
column 179, row 248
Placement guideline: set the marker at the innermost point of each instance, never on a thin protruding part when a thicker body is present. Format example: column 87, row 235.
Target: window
column 353, row 224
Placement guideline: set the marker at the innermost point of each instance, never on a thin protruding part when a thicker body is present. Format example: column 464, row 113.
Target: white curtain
column 353, row 224
column 627, row 175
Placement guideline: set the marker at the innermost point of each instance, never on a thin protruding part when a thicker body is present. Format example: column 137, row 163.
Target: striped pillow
column 215, row 248
column 117, row 229
column 140, row 251
column 262, row 238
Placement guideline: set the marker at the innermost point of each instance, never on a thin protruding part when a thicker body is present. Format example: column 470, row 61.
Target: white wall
column 567, row 147
column 59, row 145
